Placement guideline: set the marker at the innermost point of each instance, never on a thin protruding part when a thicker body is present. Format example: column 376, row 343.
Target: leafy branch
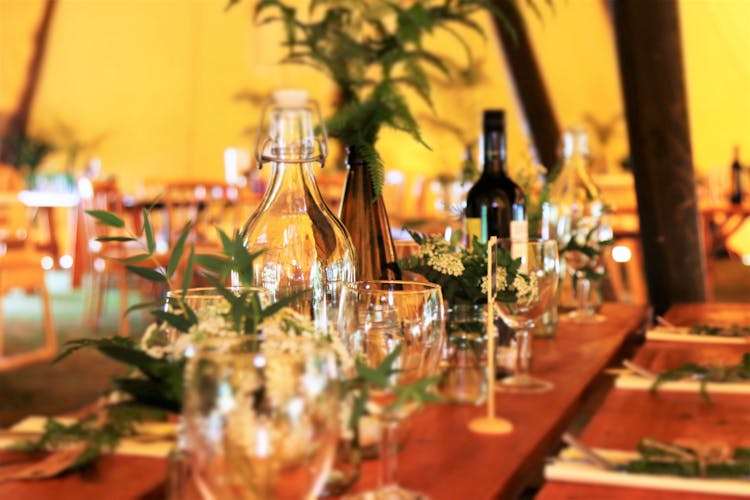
column 383, row 378
column 706, row 373
column 375, row 51
column 658, row 457
column 721, row 331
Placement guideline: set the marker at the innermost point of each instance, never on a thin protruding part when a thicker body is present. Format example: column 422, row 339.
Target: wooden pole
column 18, row 121
column 528, row 82
column 651, row 72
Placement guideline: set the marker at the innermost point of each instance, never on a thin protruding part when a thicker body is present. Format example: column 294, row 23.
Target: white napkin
column 27, row 428
column 682, row 334
column 570, row 466
column 630, row 380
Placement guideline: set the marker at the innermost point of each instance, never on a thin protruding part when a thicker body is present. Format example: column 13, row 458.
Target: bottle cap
column 290, row 98
column 493, row 119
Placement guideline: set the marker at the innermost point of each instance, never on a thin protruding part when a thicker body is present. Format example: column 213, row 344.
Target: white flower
column 501, row 280
column 447, row 263
column 526, row 287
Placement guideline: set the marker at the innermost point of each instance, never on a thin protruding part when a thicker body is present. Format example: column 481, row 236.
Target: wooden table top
column 629, row 415
column 445, row 460
column 441, row 457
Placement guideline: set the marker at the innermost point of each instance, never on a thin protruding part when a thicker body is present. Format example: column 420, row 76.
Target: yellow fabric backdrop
column 153, row 83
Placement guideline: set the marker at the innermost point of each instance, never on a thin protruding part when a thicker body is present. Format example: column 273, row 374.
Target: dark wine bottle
column 495, row 205
column 736, row 193
column 367, row 223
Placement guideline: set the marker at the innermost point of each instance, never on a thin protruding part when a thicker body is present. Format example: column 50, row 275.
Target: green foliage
column 99, row 435
column 707, row 373
column 658, row 457
column 24, row 151
column 466, row 287
column 375, row 51
column 383, row 378
column 721, row 331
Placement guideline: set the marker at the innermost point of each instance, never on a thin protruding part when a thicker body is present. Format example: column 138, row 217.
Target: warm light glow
column 746, row 259
column 621, row 254
column 162, row 246
column 47, row 262
column 66, row 261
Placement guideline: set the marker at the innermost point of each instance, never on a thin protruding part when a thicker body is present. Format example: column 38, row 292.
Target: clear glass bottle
column 574, row 210
column 305, row 246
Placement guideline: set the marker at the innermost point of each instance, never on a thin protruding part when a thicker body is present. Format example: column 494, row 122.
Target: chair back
column 15, row 217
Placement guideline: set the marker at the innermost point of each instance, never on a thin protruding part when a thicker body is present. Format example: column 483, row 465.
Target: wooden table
column 629, row 415
column 442, row 457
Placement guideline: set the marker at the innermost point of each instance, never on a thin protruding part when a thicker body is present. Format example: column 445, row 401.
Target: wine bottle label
column 472, row 228
column 519, row 235
column 519, row 230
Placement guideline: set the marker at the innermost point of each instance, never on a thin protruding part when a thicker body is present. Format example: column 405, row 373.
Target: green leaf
column 214, row 263
column 188, row 271
column 135, row 258
column 179, row 246
column 149, row 231
column 371, row 375
column 107, row 239
column 106, row 218
column 180, row 321
column 74, row 345
column 147, row 273
column 139, row 306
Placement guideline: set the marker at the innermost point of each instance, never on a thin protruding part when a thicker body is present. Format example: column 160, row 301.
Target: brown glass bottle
column 367, row 223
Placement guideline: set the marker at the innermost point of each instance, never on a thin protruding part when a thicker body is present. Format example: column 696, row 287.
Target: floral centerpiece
column 462, row 274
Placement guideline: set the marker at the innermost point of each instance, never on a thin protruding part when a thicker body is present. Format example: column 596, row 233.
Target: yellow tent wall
column 152, row 84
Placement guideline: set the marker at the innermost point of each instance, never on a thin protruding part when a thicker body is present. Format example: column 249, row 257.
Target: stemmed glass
column 259, row 424
column 375, row 319
column 534, row 283
column 582, row 253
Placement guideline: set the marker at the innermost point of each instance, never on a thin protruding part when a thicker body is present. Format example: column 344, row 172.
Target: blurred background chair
column 21, row 268
column 98, row 260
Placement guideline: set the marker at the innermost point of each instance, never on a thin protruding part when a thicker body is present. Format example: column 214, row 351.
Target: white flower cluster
column 163, row 341
column 524, row 285
column 439, row 255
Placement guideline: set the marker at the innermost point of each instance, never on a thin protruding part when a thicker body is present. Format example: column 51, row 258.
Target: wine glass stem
column 583, row 290
column 388, row 452
column 523, row 354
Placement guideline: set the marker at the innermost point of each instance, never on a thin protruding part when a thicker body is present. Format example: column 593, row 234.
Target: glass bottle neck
column 293, row 184
column 494, row 152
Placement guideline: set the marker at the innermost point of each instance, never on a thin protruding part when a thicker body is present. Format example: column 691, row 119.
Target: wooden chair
column 206, row 203
column 100, row 264
column 21, row 268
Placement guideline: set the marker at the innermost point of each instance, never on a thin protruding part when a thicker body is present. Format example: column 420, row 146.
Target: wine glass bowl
column 582, row 253
column 402, row 322
column 259, row 424
column 534, row 287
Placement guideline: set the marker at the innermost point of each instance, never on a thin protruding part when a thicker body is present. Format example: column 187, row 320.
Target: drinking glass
column 376, row 318
column 534, row 285
column 582, row 253
column 259, row 423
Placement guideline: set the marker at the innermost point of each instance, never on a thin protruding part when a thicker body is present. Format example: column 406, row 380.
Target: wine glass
column 259, row 423
column 524, row 290
column 377, row 318
column 582, row 253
